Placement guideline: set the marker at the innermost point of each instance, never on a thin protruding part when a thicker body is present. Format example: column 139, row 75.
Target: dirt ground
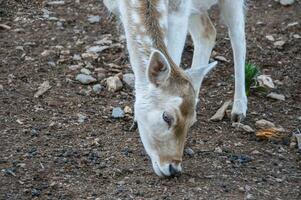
column 46, row 153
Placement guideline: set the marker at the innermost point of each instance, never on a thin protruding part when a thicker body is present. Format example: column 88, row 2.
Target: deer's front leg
column 233, row 14
column 177, row 30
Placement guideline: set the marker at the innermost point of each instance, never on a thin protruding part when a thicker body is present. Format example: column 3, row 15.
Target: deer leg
column 233, row 15
column 203, row 35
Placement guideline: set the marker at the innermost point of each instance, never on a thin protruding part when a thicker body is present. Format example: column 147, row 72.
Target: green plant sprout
column 251, row 72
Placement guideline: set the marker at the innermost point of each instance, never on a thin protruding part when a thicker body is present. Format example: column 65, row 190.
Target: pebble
column 265, row 81
column 85, row 71
column 287, row 2
column 264, row 124
column 77, row 57
column 1, row 87
column 35, row 192
column 94, row 19
column 97, row 88
column 276, row 96
column 296, row 36
column 218, row 150
column 299, row 118
column 96, row 49
column 128, row 110
column 221, row 58
column 270, row 38
column 129, row 80
column 101, row 76
column 114, row 84
column 44, row 87
column 56, row 2
column 189, row 151
column 117, row 112
column 279, row 43
column 255, row 152
column 81, row 118
column 85, row 79
column 245, row 128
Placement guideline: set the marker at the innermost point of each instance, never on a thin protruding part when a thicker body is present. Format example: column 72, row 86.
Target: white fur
column 151, row 102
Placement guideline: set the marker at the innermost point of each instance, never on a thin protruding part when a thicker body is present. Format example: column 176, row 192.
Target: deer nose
column 174, row 171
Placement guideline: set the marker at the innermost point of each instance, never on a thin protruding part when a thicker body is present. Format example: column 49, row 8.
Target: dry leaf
column 269, row 134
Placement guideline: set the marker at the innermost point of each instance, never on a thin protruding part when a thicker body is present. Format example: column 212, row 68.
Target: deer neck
column 145, row 23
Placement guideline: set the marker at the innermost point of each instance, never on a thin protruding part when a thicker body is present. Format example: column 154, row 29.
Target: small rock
column 189, row 151
column 287, row 2
column 94, row 19
column 191, row 180
column 255, row 152
column 1, row 87
column 299, row 118
column 245, row 128
column 81, row 118
column 89, row 55
column 265, row 81
column 220, row 113
column 128, row 110
column 56, row 2
column 85, row 71
column 129, row 80
column 121, row 182
column 97, row 88
column 35, row 192
column 85, row 79
column 47, row 53
column 96, row 49
column 114, row 84
column 74, row 67
column 279, row 43
column 292, row 24
column 4, row 26
column 276, row 96
column 44, row 87
column 296, row 36
column 77, row 57
column 218, row 150
column 264, row 124
column 270, row 38
column 221, row 58
column 117, row 112
column 101, row 76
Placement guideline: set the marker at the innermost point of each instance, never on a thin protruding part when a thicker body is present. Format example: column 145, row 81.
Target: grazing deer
column 166, row 95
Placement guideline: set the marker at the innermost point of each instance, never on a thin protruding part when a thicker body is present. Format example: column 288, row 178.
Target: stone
column 279, row 43
column 265, row 81
column 55, row 3
column 96, row 49
column 81, row 118
column 94, row 19
column 85, row 71
column 189, row 151
column 296, row 36
column 97, row 88
column 1, row 87
column 287, row 2
column 128, row 110
column 85, row 79
column 44, row 87
column 114, row 84
column 243, row 127
column 221, row 58
column 270, row 38
column 276, row 96
column 77, row 57
column 264, row 124
column 218, row 150
column 101, row 76
column 129, row 80
column 220, row 113
column 117, row 112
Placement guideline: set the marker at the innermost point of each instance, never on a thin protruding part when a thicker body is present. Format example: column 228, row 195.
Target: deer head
column 165, row 110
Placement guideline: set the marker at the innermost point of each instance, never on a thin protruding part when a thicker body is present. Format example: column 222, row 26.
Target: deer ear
column 158, row 69
column 197, row 74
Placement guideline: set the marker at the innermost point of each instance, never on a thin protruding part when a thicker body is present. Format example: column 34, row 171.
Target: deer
column 166, row 95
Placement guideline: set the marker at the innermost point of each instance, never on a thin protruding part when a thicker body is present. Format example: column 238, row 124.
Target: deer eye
column 167, row 118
